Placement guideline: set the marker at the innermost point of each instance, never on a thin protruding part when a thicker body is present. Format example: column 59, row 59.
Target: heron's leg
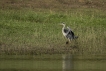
column 67, row 42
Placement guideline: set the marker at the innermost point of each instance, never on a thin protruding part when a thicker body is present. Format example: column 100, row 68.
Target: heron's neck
column 63, row 26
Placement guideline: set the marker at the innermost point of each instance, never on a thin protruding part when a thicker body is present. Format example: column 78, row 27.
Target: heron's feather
column 66, row 30
column 70, row 35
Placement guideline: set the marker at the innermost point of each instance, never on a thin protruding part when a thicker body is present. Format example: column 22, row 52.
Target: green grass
column 31, row 32
column 28, row 28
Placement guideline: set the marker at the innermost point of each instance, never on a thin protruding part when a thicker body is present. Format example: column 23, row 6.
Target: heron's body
column 68, row 33
column 65, row 31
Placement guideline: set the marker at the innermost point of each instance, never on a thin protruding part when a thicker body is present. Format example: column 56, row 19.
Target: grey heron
column 68, row 33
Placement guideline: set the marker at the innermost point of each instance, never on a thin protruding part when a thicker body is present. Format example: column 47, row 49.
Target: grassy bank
column 29, row 31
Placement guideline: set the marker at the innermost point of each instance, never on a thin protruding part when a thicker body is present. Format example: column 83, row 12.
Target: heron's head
column 63, row 24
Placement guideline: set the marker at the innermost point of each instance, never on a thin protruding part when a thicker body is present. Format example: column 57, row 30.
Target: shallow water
column 53, row 63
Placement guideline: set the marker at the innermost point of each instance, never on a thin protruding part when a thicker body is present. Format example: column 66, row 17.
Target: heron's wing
column 70, row 35
column 70, row 31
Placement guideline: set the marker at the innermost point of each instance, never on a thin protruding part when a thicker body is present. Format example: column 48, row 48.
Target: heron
column 68, row 33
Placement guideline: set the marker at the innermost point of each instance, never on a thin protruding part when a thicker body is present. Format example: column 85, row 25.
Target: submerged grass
column 31, row 31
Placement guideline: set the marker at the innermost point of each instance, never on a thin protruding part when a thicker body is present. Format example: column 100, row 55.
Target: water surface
column 55, row 62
